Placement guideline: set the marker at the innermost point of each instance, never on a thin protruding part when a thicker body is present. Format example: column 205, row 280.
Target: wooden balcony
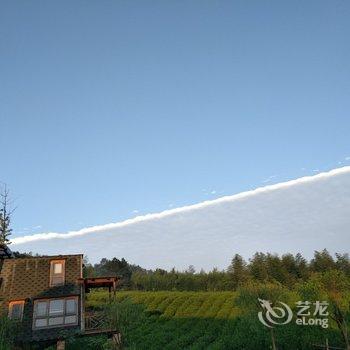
column 100, row 282
column 98, row 322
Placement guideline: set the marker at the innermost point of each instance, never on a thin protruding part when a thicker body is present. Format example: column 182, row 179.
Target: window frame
column 47, row 316
column 10, row 313
column 62, row 274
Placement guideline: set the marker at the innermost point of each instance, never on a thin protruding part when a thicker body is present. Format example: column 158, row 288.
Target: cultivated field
column 203, row 320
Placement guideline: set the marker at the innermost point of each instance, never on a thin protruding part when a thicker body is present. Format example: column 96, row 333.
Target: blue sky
column 112, row 107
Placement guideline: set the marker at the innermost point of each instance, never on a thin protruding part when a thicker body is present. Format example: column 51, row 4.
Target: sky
column 298, row 216
column 115, row 109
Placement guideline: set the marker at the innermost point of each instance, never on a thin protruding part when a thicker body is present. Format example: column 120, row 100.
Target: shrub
column 7, row 332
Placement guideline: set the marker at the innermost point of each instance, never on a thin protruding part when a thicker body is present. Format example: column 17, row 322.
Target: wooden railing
column 97, row 322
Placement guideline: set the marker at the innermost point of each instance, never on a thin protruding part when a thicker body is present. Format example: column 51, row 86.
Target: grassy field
column 204, row 320
column 216, row 305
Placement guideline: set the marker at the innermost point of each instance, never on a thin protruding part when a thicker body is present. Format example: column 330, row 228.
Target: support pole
column 114, row 289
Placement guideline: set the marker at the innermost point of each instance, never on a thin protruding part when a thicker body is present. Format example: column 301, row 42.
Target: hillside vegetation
column 219, row 305
column 219, row 309
column 204, row 320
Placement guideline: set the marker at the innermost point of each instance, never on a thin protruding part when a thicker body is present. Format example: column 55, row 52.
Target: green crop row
column 177, row 304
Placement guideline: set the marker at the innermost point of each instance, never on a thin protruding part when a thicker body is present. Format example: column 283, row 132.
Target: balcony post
column 61, row 345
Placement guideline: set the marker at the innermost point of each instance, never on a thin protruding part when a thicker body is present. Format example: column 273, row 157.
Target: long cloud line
column 155, row 216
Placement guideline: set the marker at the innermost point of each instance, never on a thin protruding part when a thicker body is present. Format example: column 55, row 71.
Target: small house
column 46, row 296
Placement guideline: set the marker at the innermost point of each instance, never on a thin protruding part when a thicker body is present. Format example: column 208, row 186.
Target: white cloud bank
column 301, row 215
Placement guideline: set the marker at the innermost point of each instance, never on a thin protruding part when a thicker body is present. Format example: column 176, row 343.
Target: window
column 55, row 312
column 16, row 310
column 56, row 307
column 57, row 268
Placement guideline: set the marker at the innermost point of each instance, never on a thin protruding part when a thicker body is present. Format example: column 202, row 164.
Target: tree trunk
column 273, row 339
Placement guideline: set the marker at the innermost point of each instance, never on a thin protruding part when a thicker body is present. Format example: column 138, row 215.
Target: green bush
column 7, row 332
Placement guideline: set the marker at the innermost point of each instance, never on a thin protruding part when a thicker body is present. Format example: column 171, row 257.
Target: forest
column 287, row 270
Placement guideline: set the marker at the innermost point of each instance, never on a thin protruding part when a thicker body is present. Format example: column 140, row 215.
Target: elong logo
column 282, row 314
column 274, row 315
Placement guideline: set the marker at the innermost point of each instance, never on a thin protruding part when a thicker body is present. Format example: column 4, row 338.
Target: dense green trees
column 250, row 295
column 238, row 272
column 288, row 270
column 332, row 286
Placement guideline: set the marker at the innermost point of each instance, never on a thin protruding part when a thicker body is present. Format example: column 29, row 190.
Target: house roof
column 53, row 257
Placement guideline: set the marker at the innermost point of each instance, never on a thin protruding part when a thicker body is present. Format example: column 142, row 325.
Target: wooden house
column 46, row 296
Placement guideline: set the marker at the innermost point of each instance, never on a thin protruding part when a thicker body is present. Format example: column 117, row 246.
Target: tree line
column 288, row 270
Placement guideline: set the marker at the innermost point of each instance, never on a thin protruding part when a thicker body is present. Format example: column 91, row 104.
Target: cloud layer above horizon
column 302, row 215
